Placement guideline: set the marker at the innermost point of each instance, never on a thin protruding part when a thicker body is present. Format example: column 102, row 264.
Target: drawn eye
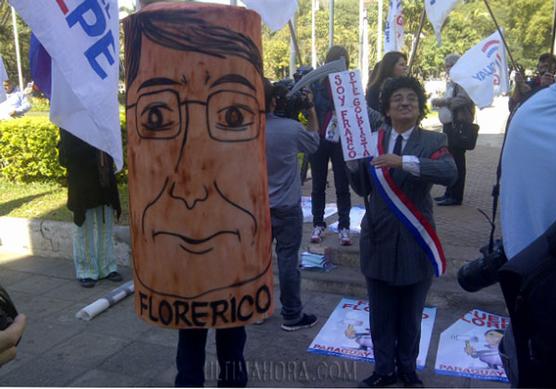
column 158, row 115
column 233, row 116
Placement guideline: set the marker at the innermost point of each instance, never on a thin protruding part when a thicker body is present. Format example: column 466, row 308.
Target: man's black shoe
column 440, row 198
column 411, row 380
column 114, row 277
column 448, row 201
column 87, row 282
column 378, row 381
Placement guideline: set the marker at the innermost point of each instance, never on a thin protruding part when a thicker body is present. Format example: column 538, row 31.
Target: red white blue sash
column 407, row 213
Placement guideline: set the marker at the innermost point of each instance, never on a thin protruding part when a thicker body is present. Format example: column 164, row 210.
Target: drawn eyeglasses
column 231, row 116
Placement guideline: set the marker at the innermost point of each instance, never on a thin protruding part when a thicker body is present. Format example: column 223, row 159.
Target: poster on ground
column 306, row 206
column 469, row 347
column 347, row 334
column 356, row 214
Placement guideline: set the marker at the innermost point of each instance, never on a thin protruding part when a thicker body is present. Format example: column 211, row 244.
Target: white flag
column 3, row 77
column 393, row 32
column 437, row 12
column 82, row 38
column 275, row 13
column 482, row 71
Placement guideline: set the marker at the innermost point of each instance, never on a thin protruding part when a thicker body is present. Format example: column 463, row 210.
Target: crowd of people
column 397, row 270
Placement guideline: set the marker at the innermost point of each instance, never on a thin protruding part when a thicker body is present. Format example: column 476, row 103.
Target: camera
column 290, row 107
column 483, row 271
column 7, row 310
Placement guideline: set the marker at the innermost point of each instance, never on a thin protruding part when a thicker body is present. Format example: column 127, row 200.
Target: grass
column 44, row 201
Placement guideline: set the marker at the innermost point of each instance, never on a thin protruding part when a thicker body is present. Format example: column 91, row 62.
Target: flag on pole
column 393, row 32
column 275, row 13
column 437, row 12
column 82, row 39
column 3, row 77
column 483, row 71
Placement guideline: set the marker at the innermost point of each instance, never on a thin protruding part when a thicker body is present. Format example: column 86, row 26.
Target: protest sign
column 346, row 334
column 469, row 347
column 82, row 38
column 483, row 71
column 351, row 112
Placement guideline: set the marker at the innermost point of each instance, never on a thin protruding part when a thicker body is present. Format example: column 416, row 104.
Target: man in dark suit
column 396, row 268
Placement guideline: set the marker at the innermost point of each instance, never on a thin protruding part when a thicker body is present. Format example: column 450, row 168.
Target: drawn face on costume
column 197, row 186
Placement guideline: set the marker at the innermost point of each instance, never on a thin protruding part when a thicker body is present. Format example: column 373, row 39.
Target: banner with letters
column 483, row 71
column 82, row 38
column 351, row 113
column 393, row 30
column 469, row 347
column 347, row 334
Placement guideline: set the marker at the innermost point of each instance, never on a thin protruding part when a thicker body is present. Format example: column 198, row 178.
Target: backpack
column 528, row 282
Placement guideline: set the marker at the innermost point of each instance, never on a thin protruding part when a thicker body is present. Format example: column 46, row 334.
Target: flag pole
column 17, row 52
column 331, row 24
column 294, row 41
column 553, row 39
column 514, row 65
column 416, row 44
column 379, row 31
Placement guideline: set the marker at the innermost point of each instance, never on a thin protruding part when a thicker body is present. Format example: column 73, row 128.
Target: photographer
column 528, row 219
column 285, row 138
column 525, row 88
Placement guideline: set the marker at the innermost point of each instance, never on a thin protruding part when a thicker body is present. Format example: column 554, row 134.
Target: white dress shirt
column 410, row 163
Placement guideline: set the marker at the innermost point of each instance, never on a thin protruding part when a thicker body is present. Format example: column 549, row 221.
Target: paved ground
column 118, row 349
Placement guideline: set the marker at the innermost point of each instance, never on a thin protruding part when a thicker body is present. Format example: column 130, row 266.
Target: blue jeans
column 287, row 228
column 190, row 359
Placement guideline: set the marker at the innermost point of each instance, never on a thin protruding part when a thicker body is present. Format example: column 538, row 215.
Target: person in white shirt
column 16, row 103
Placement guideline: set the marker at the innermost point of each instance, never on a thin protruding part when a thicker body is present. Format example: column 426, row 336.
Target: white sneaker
column 318, row 234
column 345, row 240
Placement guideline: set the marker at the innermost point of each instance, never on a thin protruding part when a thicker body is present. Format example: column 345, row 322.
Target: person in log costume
column 197, row 179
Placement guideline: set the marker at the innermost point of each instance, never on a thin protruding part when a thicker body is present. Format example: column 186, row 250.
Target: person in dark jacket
column 395, row 266
column 93, row 198
column 329, row 149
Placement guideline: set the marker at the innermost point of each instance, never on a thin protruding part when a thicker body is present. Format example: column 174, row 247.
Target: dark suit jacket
column 388, row 250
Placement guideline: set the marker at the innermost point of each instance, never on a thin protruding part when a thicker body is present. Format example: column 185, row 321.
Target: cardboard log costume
column 200, row 221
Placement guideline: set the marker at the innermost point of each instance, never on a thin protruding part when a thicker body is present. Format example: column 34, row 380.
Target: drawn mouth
column 191, row 241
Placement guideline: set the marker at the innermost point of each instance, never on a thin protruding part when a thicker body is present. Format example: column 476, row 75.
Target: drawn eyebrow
column 158, row 81
column 233, row 78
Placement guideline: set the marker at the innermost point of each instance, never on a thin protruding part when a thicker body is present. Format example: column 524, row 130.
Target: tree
column 7, row 45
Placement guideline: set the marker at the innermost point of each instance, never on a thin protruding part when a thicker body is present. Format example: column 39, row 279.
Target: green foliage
column 28, row 150
column 7, row 45
column 527, row 24
column 39, row 104
column 29, row 153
